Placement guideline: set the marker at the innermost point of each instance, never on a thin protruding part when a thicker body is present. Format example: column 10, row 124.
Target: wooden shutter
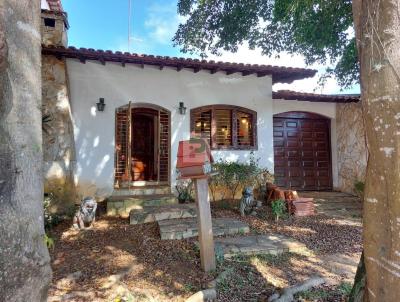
column 201, row 123
column 244, row 128
column 224, row 131
column 164, row 149
column 122, row 145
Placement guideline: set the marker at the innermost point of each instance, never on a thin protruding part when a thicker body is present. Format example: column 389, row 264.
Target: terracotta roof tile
column 55, row 5
column 279, row 74
column 313, row 97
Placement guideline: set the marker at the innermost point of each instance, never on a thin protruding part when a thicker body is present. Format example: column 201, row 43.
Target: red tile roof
column 55, row 5
column 279, row 74
column 313, row 97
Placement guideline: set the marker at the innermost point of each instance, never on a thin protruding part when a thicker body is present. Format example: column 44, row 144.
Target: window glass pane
column 202, row 124
column 223, row 121
column 244, row 129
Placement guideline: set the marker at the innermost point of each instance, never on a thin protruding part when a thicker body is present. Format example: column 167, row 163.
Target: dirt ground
column 115, row 261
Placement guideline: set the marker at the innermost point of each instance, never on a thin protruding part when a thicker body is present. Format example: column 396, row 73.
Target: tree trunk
column 24, row 260
column 377, row 25
column 358, row 290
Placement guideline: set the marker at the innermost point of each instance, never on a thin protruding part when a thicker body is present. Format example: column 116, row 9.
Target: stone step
column 121, row 206
column 187, row 228
column 158, row 213
column 145, row 190
column 258, row 244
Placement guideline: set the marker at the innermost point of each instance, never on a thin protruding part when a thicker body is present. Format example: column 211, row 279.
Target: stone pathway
column 336, row 204
column 158, row 213
column 187, row 228
column 258, row 244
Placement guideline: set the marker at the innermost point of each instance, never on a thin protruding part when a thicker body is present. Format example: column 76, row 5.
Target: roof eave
column 279, row 74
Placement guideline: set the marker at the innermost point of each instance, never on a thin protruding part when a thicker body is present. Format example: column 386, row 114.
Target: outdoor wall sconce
column 101, row 104
column 182, row 108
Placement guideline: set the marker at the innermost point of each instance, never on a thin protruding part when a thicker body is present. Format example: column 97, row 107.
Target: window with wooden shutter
column 201, row 120
column 244, row 128
column 225, row 127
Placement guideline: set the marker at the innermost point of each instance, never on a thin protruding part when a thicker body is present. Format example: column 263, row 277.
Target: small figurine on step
column 86, row 215
column 247, row 202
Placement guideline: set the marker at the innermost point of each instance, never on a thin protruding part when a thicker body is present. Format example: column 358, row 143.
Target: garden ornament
column 247, row 202
column 86, row 215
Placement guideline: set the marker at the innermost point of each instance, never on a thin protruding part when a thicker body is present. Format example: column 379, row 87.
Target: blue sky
column 103, row 24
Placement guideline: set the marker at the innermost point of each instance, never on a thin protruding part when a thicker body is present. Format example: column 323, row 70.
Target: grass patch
column 321, row 294
column 189, row 288
column 311, row 295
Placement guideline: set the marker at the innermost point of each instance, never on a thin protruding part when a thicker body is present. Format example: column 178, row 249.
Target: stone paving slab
column 187, row 228
column 122, row 206
column 258, row 244
column 158, row 213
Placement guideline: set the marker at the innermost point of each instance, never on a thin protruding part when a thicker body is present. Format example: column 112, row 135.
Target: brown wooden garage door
column 302, row 154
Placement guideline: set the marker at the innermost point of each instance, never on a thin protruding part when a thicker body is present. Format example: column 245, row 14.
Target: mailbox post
column 194, row 161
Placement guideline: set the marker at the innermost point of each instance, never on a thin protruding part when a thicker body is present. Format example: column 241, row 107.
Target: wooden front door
column 302, row 156
column 142, row 145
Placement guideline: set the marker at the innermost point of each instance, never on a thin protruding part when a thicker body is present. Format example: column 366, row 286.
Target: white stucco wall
column 325, row 109
column 94, row 131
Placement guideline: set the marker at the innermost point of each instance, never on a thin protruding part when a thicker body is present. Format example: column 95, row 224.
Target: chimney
column 54, row 26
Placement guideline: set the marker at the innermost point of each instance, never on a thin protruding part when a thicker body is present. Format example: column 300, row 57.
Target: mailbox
column 194, row 159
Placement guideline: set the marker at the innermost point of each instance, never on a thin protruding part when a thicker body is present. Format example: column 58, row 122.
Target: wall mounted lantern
column 101, row 104
column 182, row 108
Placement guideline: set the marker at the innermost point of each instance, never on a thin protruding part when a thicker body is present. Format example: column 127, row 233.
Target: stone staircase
column 158, row 204
column 187, row 228
column 179, row 221
column 163, row 212
column 123, row 201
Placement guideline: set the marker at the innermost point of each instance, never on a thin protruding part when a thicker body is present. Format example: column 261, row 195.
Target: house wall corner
column 352, row 152
column 58, row 138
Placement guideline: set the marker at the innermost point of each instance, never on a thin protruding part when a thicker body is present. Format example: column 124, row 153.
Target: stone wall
column 351, row 145
column 58, row 137
column 53, row 28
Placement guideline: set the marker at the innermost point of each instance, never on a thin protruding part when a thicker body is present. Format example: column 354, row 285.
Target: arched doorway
column 142, row 145
column 302, row 151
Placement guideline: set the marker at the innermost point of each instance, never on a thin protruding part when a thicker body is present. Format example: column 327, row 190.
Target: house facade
column 310, row 142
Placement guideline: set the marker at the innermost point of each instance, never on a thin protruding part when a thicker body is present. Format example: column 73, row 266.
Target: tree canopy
column 320, row 30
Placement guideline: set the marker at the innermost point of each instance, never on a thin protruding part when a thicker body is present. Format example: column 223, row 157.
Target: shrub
column 278, row 208
column 359, row 187
column 185, row 190
column 48, row 241
column 233, row 176
column 50, row 219
column 215, row 183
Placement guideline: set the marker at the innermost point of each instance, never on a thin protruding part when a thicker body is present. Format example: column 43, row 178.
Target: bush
column 185, row 190
column 279, row 208
column 359, row 187
column 234, row 176
column 50, row 219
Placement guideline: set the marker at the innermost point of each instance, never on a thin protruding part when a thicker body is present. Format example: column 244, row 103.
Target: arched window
column 225, row 127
